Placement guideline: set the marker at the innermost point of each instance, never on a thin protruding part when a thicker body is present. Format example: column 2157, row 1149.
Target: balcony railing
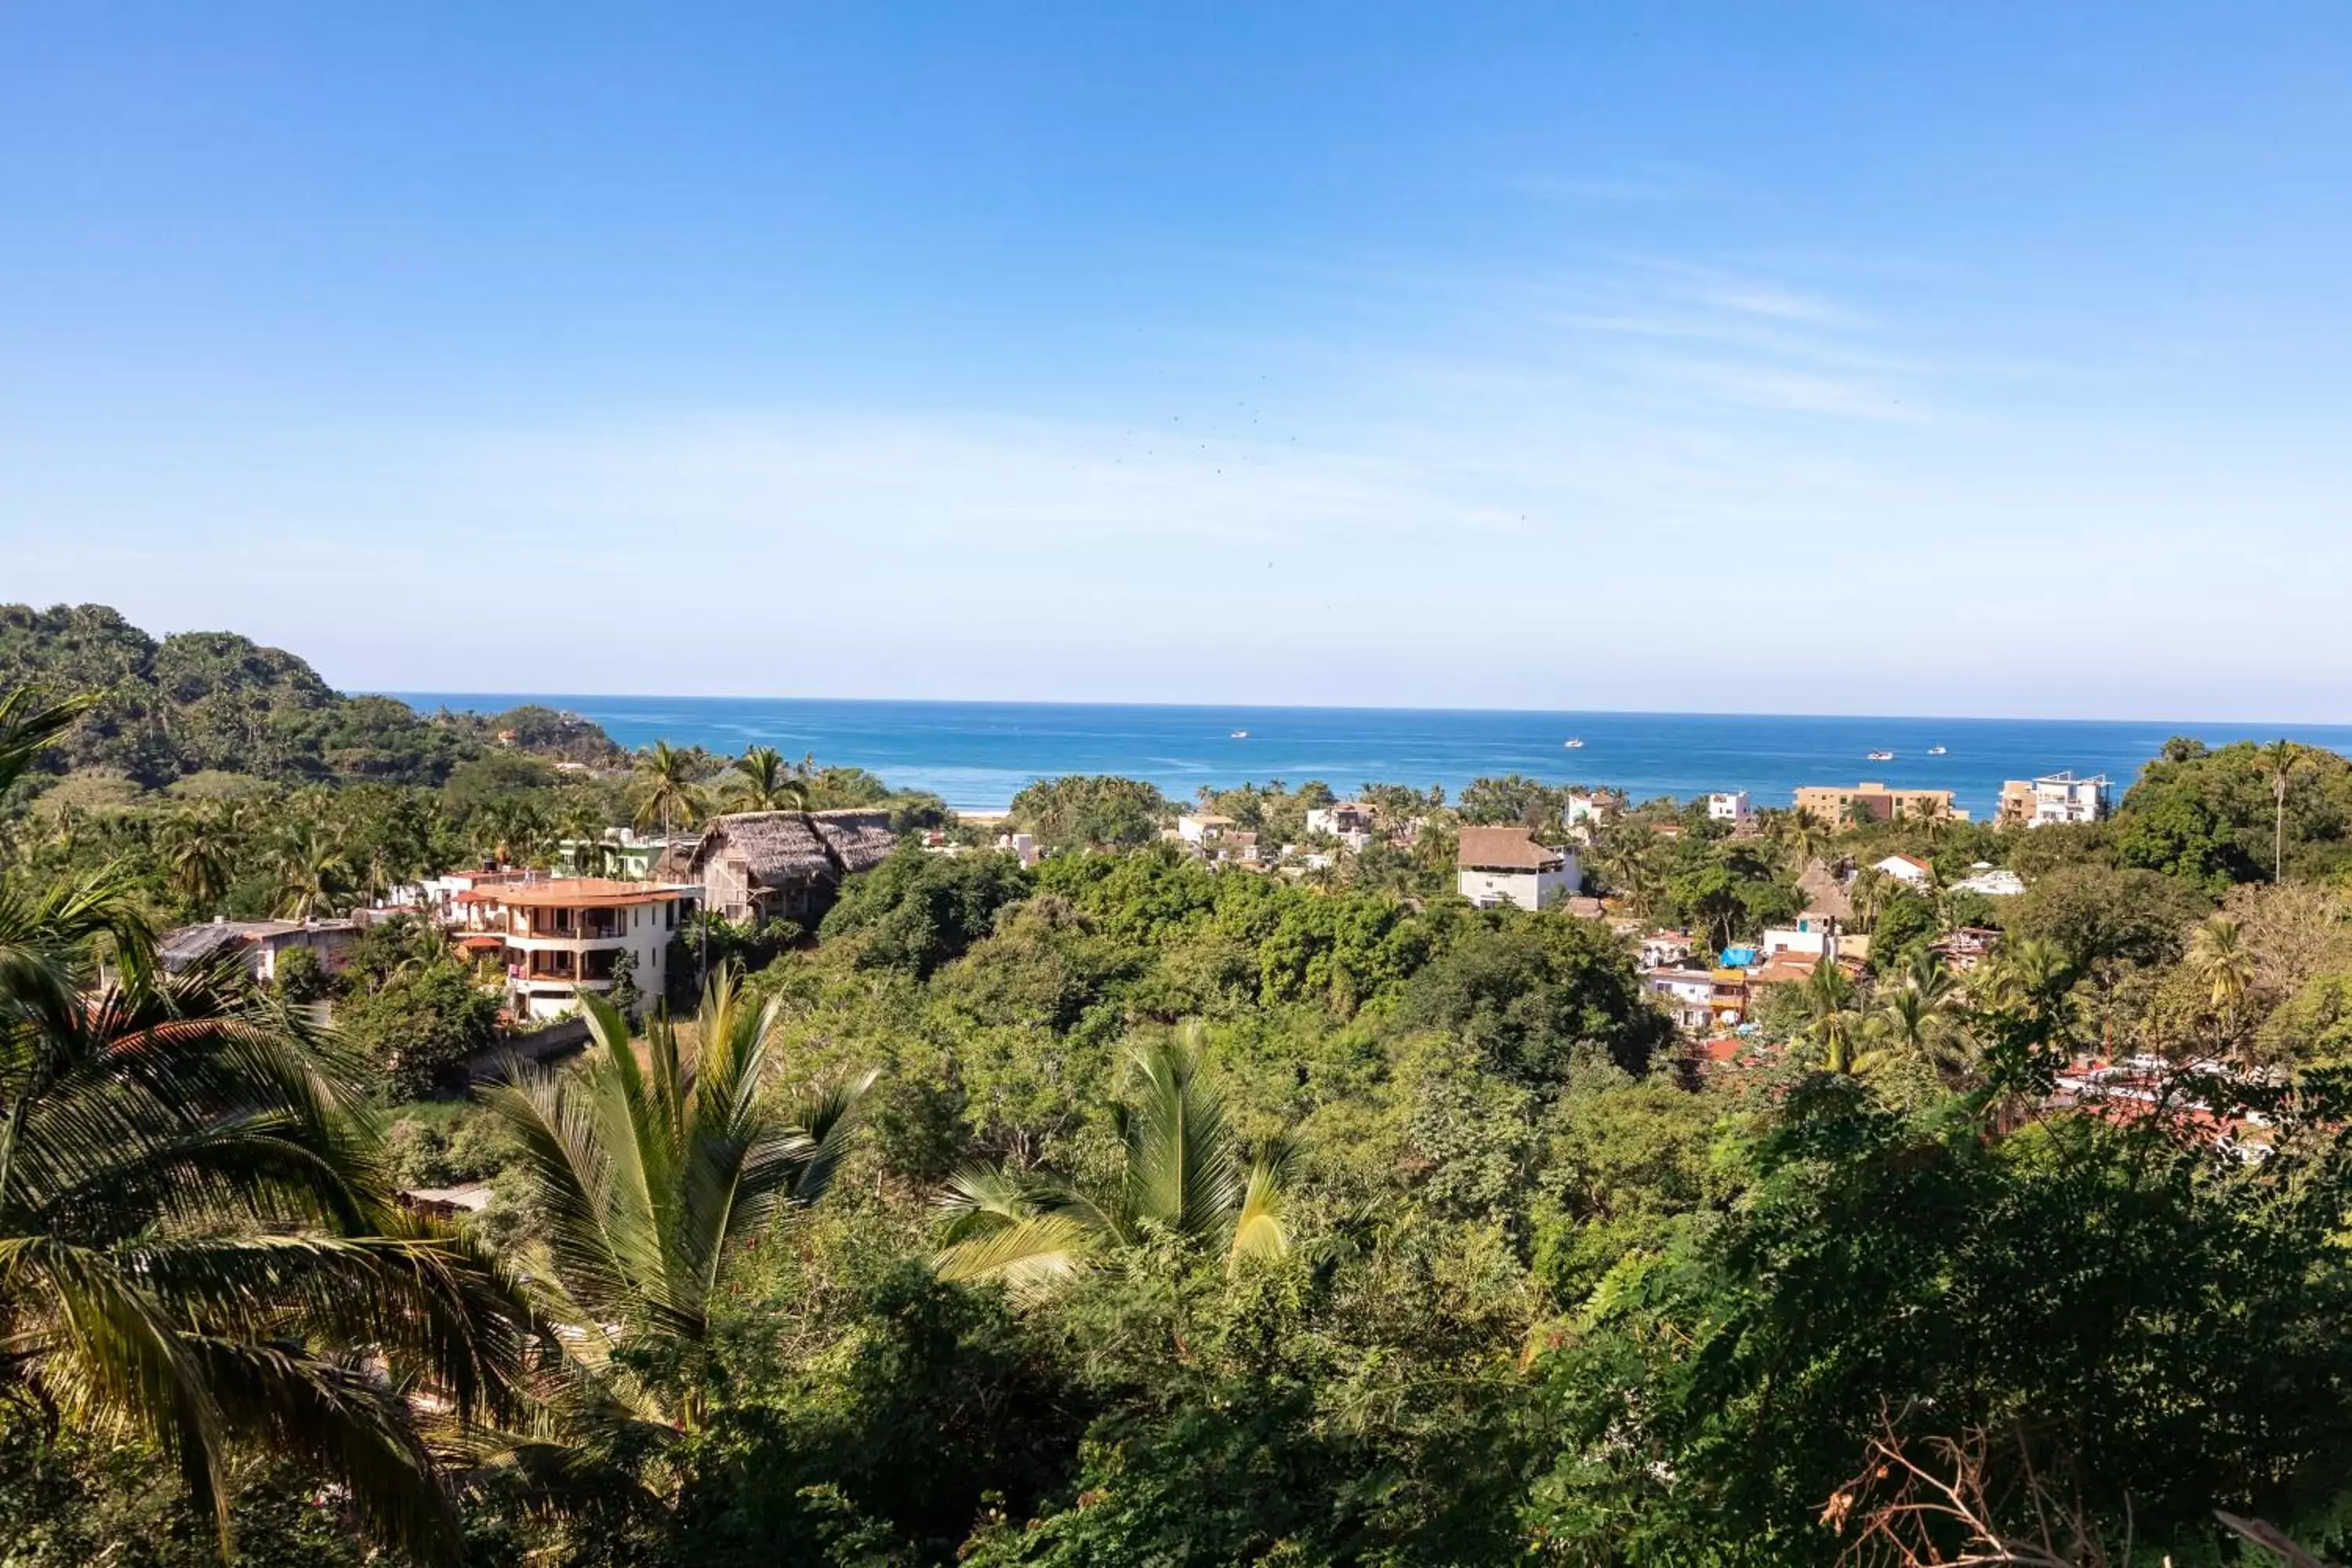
column 558, row 968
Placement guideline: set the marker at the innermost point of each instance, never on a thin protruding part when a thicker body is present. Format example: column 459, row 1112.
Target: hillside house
column 1351, row 822
column 1908, row 870
column 1966, row 950
column 1497, row 866
column 760, row 865
column 564, row 937
column 1661, row 949
column 438, row 898
column 2053, row 798
column 1593, row 808
column 621, row 852
column 1687, row 993
column 1203, row 829
column 1814, row 935
column 1825, row 891
column 256, row 944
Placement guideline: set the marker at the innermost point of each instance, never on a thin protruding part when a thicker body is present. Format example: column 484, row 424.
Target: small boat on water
column 1240, row 734
column 1935, row 751
column 1882, row 756
column 1573, row 743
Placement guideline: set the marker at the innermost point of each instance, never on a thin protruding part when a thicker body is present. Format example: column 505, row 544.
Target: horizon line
column 547, row 698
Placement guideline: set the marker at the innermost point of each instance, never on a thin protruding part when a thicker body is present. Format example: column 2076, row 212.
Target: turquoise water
column 977, row 754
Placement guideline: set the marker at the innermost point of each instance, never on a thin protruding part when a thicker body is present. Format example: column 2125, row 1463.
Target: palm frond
column 827, row 1116
column 343, row 1422
column 108, row 1355
column 563, row 1158
column 648, row 1175
column 1258, row 1229
column 987, row 1193
column 28, row 726
column 1184, row 1173
column 1030, row 1256
column 1181, row 1172
column 198, row 1241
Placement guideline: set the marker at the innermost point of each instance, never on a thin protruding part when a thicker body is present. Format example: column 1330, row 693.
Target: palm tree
column 1832, row 1021
column 2283, row 759
column 1927, row 975
column 195, row 1241
column 2219, row 955
column 1184, row 1175
column 2030, row 977
column 1804, row 836
column 1626, row 855
column 512, row 832
column 27, row 726
column 1869, row 893
column 583, row 835
column 200, row 852
column 667, row 790
column 1915, row 1021
column 764, row 782
column 1928, row 814
column 311, row 872
column 383, row 865
column 68, row 822
column 649, row 1175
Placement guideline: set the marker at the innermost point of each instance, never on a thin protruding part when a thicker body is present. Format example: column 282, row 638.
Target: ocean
column 977, row 755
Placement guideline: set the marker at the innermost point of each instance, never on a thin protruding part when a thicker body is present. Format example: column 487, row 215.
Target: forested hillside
column 1143, row 1207
column 200, row 702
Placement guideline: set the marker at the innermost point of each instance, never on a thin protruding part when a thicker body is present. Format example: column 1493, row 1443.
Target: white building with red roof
column 1908, row 870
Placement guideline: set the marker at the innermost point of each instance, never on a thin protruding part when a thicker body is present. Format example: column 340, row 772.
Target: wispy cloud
column 1794, row 391
column 1782, row 304
column 1728, row 290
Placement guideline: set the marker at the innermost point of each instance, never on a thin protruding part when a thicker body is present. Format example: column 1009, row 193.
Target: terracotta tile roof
column 1784, row 968
column 1503, row 849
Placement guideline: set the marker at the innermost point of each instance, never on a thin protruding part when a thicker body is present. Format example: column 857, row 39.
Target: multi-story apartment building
column 2053, row 797
column 1868, row 802
column 563, row 937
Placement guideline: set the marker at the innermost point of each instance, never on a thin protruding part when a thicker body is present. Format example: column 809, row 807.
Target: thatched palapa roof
column 794, row 849
column 1504, row 850
column 1824, row 891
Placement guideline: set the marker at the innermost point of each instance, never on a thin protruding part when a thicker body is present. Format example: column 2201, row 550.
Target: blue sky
column 1880, row 358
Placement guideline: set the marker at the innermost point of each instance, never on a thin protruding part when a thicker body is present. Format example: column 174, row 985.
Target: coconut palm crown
column 647, row 1175
column 667, row 789
column 763, row 780
column 197, row 1244
column 1184, row 1172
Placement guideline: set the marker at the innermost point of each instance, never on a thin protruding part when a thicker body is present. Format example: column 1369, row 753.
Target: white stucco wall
column 1527, row 890
column 645, row 935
